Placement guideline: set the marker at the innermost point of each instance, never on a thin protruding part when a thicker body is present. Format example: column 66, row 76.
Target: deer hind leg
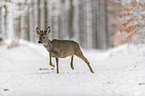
column 50, row 62
column 72, row 67
column 80, row 55
column 57, row 65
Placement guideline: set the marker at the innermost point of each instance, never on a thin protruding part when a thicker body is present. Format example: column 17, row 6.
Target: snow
column 118, row 72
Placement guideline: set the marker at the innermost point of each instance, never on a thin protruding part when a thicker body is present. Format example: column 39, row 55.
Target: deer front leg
column 50, row 62
column 72, row 67
column 57, row 65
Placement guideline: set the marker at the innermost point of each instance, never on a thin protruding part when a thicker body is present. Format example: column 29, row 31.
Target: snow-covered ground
column 118, row 72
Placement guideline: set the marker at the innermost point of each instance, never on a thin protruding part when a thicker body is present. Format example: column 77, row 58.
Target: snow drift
column 118, row 72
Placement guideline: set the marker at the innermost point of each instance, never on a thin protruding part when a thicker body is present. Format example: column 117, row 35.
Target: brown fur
column 61, row 48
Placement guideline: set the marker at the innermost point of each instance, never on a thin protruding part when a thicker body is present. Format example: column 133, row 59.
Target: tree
column 133, row 17
column 1, row 33
column 84, row 21
column 76, row 20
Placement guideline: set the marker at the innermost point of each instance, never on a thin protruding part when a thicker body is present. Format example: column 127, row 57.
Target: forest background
column 93, row 23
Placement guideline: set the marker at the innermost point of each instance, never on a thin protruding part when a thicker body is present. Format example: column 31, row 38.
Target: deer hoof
column 52, row 65
column 72, row 68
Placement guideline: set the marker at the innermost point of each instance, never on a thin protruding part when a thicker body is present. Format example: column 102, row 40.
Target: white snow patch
column 118, row 72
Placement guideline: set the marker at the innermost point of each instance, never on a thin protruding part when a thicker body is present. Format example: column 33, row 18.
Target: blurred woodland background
column 94, row 24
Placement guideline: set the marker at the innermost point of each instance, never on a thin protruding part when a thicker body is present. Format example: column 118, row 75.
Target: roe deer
column 60, row 48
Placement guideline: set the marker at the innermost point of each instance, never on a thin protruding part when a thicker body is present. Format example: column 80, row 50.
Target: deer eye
column 43, row 37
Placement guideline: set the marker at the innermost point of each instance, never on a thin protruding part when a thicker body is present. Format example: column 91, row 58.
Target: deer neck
column 48, row 45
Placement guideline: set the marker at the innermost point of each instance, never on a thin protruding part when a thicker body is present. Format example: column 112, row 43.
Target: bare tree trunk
column 19, row 27
column 42, row 14
column 66, row 19
column 1, row 32
column 103, row 27
column 5, row 20
column 89, row 16
column 71, row 19
column 27, row 32
column 38, row 14
column 46, row 11
column 76, row 20
column 82, row 23
column 56, row 19
column 108, row 32
column 32, row 24
column 49, row 18
column 63, row 21
column 94, row 22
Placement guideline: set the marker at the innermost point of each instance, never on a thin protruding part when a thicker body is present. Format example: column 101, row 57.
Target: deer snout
column 39, row 42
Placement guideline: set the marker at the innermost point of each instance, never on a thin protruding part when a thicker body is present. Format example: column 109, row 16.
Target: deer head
column 43, row 35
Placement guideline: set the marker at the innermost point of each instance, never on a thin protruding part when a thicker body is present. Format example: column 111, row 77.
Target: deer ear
column 47, row 31
column 37, row 30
